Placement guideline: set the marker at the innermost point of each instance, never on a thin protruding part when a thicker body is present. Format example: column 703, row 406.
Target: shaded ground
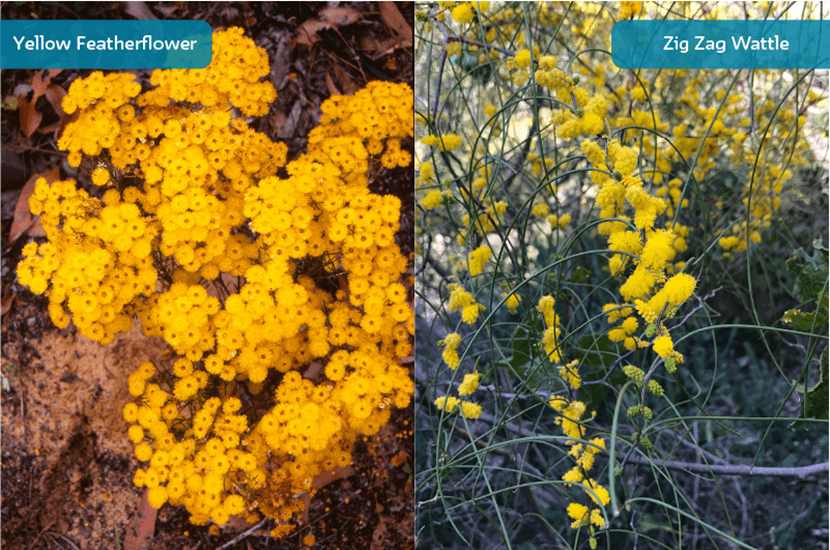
column 67, row 464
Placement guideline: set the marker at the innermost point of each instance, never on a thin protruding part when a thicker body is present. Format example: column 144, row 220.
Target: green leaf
column 797, row 319
column 816, row 401
column 811, row 271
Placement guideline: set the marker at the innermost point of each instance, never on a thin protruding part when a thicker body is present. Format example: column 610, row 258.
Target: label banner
column 83, row 44
column 732, row 44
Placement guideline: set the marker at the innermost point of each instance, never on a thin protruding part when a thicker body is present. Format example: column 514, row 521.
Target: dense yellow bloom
column 571, row 413
column 577, row 512
column 432, row 199
column 469, row 384
column 678, row 288
column 477, row 259
column 663, row 346
column 445, row 142
column 463, row 300
column 198, row 237
column 447, row 403
column 470, row 410
column 570, row 374
column 450, row 355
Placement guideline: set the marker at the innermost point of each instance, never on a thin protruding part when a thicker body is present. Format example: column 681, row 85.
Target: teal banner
column 721, row 44
column 105, row 44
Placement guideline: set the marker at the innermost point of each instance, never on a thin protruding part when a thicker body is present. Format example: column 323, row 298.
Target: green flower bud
column 671, row 365
column 646, row 443
column 634, row 373
column 655, row 388
column 634, row 411
column 647, row 413
column 651, row 330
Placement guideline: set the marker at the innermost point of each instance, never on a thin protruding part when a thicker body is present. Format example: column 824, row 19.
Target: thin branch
column 800, row 472
column 243, row 535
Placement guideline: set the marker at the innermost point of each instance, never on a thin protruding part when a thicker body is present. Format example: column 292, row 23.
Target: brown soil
column 67, row 465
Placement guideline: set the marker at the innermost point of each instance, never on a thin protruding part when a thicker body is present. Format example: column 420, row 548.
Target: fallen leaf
column 140, row 532
column 328, row 477
column 166, row 11
column 36, row 229
column 23, row 219
column 278, row 121
column 22, row 89
column 386, row 45
column 39, row 84
column 139, row 10
column 8, row 301
column 343, row 78
column 330, row 85
column 29, row 116
column 290, row 127
column 54, row 95
column 379, row 534
column 396, row 22
column 340, row 17
column 328, row 18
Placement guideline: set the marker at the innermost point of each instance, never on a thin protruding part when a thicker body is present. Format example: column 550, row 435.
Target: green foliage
column 811, row 271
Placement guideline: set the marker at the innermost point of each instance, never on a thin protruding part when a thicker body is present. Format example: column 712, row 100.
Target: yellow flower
column 469, row 384
column 447, row 403
column 679, row 288
column 143, row 452
column 522, row 58
column 432, row 199
column 663, row 346
column 577, row 512
column 470, row 410
column 463, row 13
column 157, row 496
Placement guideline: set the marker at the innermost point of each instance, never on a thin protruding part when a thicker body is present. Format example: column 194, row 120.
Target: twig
column 243, row 535
column 800, row 472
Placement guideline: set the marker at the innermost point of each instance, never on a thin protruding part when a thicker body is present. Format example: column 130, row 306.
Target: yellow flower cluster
column 550, row 338
column 285, row 291
column 478, row 258
column 445, row 142
column 450, row 355
column 513, row 301
column 485, row 221
column 584, row 456
column 463, row 300
column 464, row 12
column 96, row 262
column 453, row 404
